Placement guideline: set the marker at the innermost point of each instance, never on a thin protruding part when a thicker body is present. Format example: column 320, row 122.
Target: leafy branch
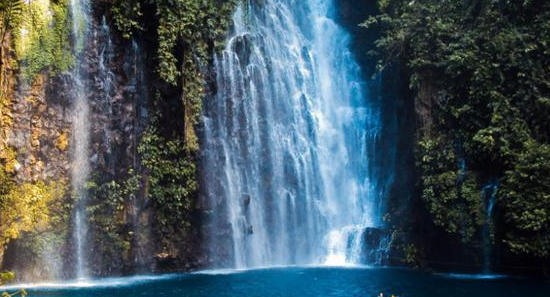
column 6, row 277
column 10, row 11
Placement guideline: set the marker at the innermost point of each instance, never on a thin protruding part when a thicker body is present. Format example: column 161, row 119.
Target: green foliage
column 171, row 181
column 42, row 40
column 193, row 93
column 6, row 181
column 411, row 254
column 21, row 292
column 189, row 32
column 110, row 214
column 127, row 16
column 168, row 183
column 451, row 195
column 35, row 213
column 486, row 63
column 28, row 207
column 197, row 26
column 6, row 277
column 10, row 14
column 527, row 200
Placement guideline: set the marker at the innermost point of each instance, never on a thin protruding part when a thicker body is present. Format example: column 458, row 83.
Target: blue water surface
column 302, row 281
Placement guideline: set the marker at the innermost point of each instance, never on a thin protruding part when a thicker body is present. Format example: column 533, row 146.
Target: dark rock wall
column 40, row 134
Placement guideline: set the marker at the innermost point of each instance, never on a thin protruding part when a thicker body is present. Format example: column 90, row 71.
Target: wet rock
column 242, row 45
column 93, row 159
column 62, row 141
column 35, row 143
column 165, row 261
column 245, row 200
column 375, row 246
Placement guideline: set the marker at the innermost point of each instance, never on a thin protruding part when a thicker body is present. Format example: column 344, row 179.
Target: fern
column 10, row 13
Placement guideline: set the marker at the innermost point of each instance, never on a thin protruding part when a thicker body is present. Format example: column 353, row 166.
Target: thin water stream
column 80, row 170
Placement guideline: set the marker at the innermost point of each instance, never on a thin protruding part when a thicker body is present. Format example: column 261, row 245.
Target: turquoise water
column 303, row 282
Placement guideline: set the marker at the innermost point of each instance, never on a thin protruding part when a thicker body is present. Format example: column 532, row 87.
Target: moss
column 42, row 38
column 10, row 11
column 62, row 142
column 6, row 277
column 110, row 215
column 27, row 208
column 195, row 30
column 171, row 184
column 8, row 156
column 197, row 26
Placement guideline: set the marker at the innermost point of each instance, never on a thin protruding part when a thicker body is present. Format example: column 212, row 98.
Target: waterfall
column 138, row 82
column 105, row 79
column 288, row 141
column 80, row 170
column 489, row 195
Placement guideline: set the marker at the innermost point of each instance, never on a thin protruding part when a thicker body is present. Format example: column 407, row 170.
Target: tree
column 481, row 68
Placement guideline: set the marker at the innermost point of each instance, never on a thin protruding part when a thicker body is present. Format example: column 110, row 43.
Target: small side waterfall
column 489, row 194
column 138, row 82
column 105, row 81
column 289, row 141
column 80, row 170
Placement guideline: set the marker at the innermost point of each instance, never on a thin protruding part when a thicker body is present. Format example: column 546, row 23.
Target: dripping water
column 489, row 194
column 105, row 79
column 138, row 83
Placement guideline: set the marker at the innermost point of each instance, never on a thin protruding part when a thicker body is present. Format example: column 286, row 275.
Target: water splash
column 344, row 246
column 288, row 141
column 80, row 170
column 95, row 283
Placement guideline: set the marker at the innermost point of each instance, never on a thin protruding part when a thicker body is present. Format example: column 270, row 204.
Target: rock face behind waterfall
column 141, row 192
column 248, row 133
column 40, row 133
column 136, row 217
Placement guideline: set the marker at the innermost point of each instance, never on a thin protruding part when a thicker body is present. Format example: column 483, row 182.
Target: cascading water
column 105, row 79
column 288, row 141
column 80, row 170
column 489, row 194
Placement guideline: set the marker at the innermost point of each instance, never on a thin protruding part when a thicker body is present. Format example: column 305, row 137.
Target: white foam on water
column 223, row 271
column 283, row 267
column 93, row 283
column 472, row 276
